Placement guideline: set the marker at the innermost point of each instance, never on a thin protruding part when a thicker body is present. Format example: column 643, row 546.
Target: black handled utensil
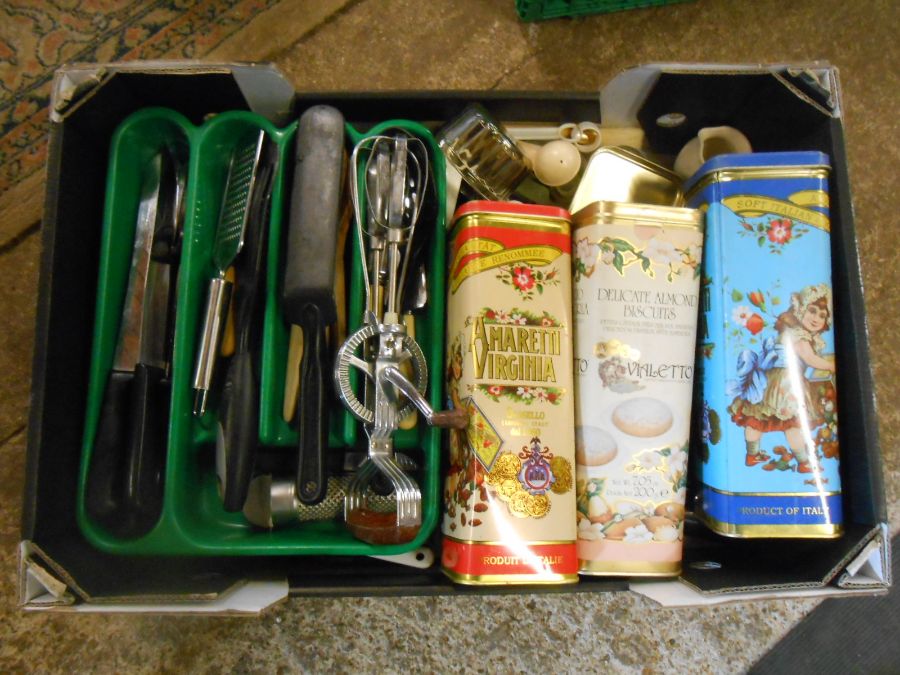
column 308, row 292
column 236, row 441
column 125, row 480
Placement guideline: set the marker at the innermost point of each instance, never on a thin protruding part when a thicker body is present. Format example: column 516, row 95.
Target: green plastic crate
column 537, row 10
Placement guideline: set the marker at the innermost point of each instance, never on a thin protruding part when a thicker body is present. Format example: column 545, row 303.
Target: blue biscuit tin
column 768, row 439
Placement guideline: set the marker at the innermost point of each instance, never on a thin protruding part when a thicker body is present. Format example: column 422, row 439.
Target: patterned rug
column 38, row 36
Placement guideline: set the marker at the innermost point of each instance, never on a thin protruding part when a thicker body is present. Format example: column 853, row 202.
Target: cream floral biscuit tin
column 636, row 298
column 509, row 496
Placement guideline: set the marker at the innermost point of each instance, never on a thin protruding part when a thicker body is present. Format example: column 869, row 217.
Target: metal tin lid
column 800, row 162
column 622, row 174
column 511, row 208
column 609, row 213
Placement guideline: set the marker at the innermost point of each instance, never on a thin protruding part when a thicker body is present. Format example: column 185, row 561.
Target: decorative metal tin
column 509, row 496
column 769, row 441
column 636, row 298
column 621, row 174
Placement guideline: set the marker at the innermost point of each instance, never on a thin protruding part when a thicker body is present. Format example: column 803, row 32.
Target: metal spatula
column 232, row 227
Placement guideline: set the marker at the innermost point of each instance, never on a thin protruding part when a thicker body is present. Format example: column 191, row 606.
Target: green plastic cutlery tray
column 193, row 521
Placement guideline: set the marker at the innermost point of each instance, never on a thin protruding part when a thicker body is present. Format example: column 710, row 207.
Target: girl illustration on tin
column 772, row 391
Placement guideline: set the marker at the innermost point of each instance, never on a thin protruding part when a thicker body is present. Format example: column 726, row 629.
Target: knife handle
column 145, row 453
column 239, row 426
column 103, row 487
column 124, row 484
column 311, row 480
column 210, row 338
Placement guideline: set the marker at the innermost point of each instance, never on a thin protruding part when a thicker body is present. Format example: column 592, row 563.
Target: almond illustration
column 617, row 530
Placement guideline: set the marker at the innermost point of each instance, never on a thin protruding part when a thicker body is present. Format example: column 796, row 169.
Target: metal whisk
column 395, row 171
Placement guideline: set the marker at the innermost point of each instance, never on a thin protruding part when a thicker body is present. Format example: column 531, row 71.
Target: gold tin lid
column 611, row 213
column 622, row 174
column 510, row 214
column 770, row 166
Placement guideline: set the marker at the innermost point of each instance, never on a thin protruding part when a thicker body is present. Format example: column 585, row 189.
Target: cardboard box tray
column 778, row 107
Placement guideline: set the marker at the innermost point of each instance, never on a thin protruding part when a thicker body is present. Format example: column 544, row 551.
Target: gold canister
column 636, row 299
column 509, row 497
column 622, row 174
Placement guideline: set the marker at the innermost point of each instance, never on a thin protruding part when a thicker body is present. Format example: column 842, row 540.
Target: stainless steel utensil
column 230, row 232
column 377, row 199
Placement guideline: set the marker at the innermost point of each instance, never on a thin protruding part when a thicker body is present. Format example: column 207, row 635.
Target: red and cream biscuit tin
column 509, row 497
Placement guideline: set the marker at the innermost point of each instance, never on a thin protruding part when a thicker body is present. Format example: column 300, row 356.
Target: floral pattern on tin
column 621, row 253
column 671, row 462
column 775, row 233
column 519, row 317
column 526, row 279
column 710, row 430
column 521, row 394
column 754, row 317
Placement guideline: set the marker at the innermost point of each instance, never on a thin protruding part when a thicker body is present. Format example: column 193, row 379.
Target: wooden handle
column 340, row 279
column 229, row 336
column 292, row 374
column 411, row 420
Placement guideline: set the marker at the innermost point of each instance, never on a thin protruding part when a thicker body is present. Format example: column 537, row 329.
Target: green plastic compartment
column 537, row 10
column 193, row 521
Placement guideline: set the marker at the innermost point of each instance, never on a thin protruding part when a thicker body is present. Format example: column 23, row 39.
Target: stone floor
column 473, row 44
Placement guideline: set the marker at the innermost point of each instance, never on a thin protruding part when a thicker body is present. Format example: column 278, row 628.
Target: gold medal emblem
column 518, row 504
column 509, row 487
column 504, row 477
column 538, row 506
column 506, row 467
column 562, row 470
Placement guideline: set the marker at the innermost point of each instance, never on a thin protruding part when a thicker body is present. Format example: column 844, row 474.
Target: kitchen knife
column 125, row 479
